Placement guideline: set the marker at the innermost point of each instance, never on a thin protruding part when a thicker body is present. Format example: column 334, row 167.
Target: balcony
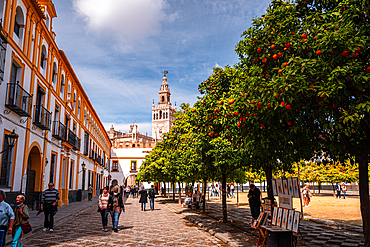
column 42, row 117
column 71, row 137
column 58, row 130
column 18, row 100
column 77, row 144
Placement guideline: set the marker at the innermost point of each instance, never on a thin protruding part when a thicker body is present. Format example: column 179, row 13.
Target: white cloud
column 126, row 20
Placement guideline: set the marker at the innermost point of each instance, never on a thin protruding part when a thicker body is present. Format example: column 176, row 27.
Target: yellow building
column 60, row 136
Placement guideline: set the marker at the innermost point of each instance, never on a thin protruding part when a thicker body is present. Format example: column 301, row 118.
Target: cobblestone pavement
column 160, row 227
column 238, row 233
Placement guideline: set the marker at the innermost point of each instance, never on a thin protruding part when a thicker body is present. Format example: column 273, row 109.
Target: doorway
column 34, row 183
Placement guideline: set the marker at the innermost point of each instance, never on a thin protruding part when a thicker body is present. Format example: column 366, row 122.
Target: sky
column 120, row 48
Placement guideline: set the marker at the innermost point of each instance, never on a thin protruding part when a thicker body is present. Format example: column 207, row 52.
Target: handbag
column 26, row 228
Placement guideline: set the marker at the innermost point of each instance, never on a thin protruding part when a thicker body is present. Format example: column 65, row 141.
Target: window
column 133, row 165
column 43, row 57
column 2, row 55
column 13, row 75
column 63, row 172
column 6, row 164
column 18, row 22
column 54, row 76
column 74, row 101
column 62, row 85
column 56, row 115
column 86, row 144
column 79, row 108
column 52, row 168
column 71, row 176
column 115, row 166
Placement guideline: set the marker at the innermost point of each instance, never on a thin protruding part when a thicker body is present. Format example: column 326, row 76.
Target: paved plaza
column 79, row 224
column 160, row 227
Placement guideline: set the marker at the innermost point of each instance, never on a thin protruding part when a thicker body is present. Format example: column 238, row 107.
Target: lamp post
column 83, row 175
column 12, row 138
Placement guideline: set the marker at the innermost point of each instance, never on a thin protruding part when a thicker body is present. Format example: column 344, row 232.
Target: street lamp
column 12, row 138
column 102, row 172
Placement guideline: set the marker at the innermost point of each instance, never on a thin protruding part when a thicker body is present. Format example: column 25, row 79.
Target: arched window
column 156, row 115
column 55, row 74
column 19, row 22
column 162, row 98
column 160, row 114
column 79, row 107
column 43, row 57
column 74, row 101
column 62, row 85
column 166, row 115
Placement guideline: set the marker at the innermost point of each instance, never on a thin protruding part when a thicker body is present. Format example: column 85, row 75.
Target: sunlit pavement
column 160, row 227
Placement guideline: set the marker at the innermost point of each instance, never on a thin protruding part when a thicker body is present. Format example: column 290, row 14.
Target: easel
column 263, row 235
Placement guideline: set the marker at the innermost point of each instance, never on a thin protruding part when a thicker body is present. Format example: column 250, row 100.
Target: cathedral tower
column 162, row 115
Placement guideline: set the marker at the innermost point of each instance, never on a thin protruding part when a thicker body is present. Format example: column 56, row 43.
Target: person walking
column 344, row 189
column 254, row 196
column 6, row 217
column 115, row 205
column 228, row 190
column 103, row 207
column 152, row 193
column 22, row 215
column 143, row 198
column 232, row 188
column 128, row 191
column 89, row 192
column 306, row 195
column 338, row 190
column 49, row 204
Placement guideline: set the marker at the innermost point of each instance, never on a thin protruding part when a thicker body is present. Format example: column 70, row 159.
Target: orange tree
column 311, row 59
column 216, row 130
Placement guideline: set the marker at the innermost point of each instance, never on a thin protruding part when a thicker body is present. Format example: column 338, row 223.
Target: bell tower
column 162, row 115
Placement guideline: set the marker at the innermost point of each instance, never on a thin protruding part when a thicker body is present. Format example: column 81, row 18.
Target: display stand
column 277, row 236
column 263, row 235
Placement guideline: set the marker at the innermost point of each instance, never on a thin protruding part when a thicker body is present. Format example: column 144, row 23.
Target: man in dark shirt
column 49, row 204
column 254, row 196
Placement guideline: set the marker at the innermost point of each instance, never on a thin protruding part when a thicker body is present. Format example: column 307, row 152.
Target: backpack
column 151, row 193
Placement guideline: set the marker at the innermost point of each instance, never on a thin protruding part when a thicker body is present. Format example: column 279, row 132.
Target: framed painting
column 296, row 190
column 285, row 186
column 290, row 186
column 285, row 218
column 274, row 216
column 296, row 221
column 279, row 216
column 274, row 188
column 279, row 185
column 289, row 225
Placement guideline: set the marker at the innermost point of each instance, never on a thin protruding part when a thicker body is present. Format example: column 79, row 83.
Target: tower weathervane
column 165, row 72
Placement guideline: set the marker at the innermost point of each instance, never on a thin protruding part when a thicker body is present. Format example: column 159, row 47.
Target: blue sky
column 120, row 48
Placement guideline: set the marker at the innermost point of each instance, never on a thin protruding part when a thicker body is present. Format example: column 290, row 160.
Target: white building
column 60, row 136
column 127, row 154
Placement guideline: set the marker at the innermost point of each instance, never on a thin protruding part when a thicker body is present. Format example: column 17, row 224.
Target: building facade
column 162, row 115
column 127, row 154
column 60, row 136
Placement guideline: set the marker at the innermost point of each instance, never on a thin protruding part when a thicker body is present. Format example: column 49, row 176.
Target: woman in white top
column 103, row 208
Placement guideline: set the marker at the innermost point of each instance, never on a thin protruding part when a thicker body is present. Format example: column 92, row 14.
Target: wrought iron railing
column 58, row 130
column 71, row 137
column 42, row 117
column 18, row 100
column 77, row 144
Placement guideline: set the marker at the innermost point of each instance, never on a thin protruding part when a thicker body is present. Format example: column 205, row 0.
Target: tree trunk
column 164, row 190
column 333, row 189
column 180, row 189
column 363, row 163
column 224, row 206
column 204, row 196
column 319, row 187
column 237, row 194
column 268, row 171
column 313, row 189
column 173, row 191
